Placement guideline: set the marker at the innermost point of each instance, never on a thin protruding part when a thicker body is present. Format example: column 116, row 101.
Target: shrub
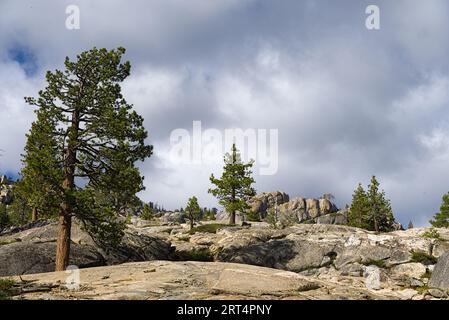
column 208, row 228
column 193, row 255
column 252, row 216
column 377, row 263
column 147, row 212
column 272, row 218
column 5, row 288
column 5, row 242
column 422, row 289
column 208, row 215
column 432, row 233
column 424, row 258
column 4, row 218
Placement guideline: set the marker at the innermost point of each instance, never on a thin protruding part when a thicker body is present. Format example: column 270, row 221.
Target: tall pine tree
column 441, row 219
column 234, row 188
column 98, row 137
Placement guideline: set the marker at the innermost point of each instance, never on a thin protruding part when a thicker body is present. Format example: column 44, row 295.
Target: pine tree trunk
column 234, row 160
column 191, row 224
column 376, row 224
column 34, row 214
column 65, row 215
column 232, row 217
column 63, row 242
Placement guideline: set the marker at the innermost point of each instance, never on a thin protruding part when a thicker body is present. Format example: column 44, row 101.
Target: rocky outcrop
column 440, row 274
column 296, row 210
column 173, row 217
column 339, row 217
column 25, row 257
column 223, row 217
column 6, row 196
column 326, row 251
column 266, row 200
column 299, row 210
column 291, row 211
column 158, row 280
column 305, row 247
column 334, row 261
column 32, row 250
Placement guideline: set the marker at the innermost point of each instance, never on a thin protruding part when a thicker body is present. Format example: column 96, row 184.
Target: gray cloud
column 348, row 102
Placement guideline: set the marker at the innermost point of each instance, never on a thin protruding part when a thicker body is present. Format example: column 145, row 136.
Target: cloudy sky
column 348, row 102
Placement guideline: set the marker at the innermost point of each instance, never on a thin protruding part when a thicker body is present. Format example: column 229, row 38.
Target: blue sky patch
column 25, row 58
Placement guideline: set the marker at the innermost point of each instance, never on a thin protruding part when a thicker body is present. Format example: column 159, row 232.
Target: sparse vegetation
column 252, row 216
column 441, row 219
column 423, row 257
column 5, row 242
column 5, row 288
column 422, row 289
column 372, row 262
column 208, row 214
column 4, row 218
column 272, row 218
column 194, row 255
column 432, row 233
column 147, row 212
column 208, row 228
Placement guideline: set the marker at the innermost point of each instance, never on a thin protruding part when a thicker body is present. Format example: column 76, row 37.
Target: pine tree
column 272, row 218
column 358, row 212
column 41, row 175
column 410, row 225
column 4, row 218
column 19, row 212
column 98, row 139
column 441, row 219
column 380, row 213
column 193, row 210
column 371, row 210
column 234, row 188
column 147, row 212
column 209, row 215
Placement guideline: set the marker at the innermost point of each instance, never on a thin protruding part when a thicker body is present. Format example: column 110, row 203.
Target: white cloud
column 15, row 115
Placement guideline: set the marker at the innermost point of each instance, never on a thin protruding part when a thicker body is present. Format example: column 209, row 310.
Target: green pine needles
column 81, row 150
column 193, row 211
column 234, row 188
column 370, row 209
column 441, row 219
